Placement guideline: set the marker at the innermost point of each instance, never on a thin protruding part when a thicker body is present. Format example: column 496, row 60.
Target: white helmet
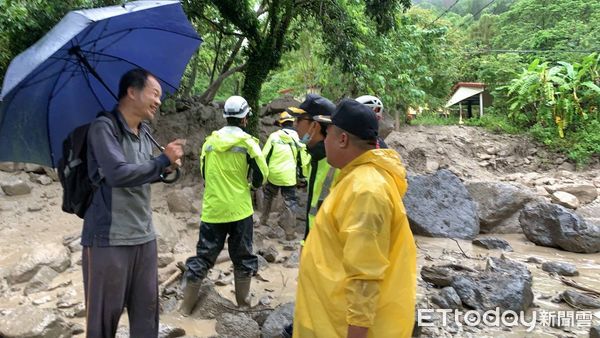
column 372, row 102
column 236, row 106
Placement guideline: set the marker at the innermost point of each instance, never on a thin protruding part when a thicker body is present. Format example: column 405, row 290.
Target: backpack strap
column 117, row 125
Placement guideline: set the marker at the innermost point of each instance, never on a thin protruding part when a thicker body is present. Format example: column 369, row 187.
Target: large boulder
column 555, row 226
column 497, row 203
column 32, row 322
column 53, row 255
column 505, row 284
column 166, row 231
column 183, row 200
column 439, row 205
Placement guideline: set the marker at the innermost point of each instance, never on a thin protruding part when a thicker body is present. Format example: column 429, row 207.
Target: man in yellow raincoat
column 358, row 271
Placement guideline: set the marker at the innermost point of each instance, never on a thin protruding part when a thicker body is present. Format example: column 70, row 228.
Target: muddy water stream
column 440, row 251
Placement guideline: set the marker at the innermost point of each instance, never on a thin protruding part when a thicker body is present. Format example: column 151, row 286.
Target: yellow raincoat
column 358, row 265
column 224, row 166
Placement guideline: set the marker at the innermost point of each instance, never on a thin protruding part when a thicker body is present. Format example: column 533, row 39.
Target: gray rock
column 9, row 166
column 182, row 200
column 595, row 331
column 561, row 268
column 15, row 187
column 487, row 292
column 33, row 322
column 439, row 205
column 552, row 225
column 53, row 255
column 292, row 261
column 505, row 284
column 282, row 316
column 565, row 199
column 166, row 230
column 492, row 243
column 164, row 331
column 237, row 326
column 439, row 301
column 165, row 259
column 276, row 232
column 452, row 298
column 211, row 304
column 579, row 300
column 497, row 202
column 270, row 254
column 443, row 275
column 41, row 281
column 40, row 179
column 585, row 193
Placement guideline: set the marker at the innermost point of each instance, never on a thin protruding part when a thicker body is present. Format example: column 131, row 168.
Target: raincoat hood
column 386, row 159
column 229, row 137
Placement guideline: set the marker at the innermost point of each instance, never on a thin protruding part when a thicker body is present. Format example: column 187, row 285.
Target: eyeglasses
column 304, row 118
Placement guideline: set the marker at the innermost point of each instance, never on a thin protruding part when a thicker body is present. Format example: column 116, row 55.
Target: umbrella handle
column 164, row 177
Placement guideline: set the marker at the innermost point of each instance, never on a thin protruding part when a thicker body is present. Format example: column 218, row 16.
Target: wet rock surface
column 439, row 205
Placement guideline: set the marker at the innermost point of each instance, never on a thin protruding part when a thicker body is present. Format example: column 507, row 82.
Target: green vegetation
column 538, row 58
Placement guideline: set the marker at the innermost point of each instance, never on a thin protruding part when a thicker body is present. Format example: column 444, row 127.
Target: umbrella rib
column 56, row 91
column 128, row 30
column 87, row 79
column 30, row 82
column 131, row 63
column 50, row 97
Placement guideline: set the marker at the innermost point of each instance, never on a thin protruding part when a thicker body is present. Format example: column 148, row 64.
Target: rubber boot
column 267, row 202
column 190, row 297
column 242, row 290
column 288, row 220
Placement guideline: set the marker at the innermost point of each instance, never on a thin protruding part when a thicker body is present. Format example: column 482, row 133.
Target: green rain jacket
column 286, row 157
column 226, row 158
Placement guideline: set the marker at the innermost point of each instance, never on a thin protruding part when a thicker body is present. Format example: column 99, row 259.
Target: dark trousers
column 117, row 277
column 211, row 241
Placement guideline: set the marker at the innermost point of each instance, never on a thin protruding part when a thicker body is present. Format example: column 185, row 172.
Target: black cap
column 316, row 105
column 355, row 118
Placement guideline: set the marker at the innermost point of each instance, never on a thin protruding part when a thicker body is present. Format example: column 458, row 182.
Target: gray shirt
column 120, row 212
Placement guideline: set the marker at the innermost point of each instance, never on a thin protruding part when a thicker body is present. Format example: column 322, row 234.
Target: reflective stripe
column 324, row 191
column 234, row 149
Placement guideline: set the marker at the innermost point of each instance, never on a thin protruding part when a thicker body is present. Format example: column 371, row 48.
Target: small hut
column 471, row 94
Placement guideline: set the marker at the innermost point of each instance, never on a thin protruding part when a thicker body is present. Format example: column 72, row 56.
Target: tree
column 265, row 27
column 25, row 21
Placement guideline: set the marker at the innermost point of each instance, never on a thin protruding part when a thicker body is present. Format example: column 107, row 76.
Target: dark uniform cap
column 317, row 105
column 355, row 118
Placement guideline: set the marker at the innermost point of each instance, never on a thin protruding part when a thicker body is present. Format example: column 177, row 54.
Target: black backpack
column 78, row 188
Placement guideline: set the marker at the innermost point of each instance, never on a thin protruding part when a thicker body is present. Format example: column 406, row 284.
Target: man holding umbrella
column 120, row 254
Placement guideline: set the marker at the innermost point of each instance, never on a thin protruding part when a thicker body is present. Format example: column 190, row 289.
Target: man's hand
column 357, row 331
column 174, row 151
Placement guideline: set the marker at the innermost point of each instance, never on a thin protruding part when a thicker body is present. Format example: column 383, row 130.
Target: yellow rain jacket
column 283, row 152
column 359, row 262
column 224, row 165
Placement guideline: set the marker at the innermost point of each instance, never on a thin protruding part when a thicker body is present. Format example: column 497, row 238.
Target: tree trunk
column 255, row 75
column 210, row 92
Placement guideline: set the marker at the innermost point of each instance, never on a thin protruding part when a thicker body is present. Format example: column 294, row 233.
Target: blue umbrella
column 73, row 72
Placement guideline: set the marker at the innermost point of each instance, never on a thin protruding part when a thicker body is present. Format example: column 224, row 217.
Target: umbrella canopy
column 73, row 72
